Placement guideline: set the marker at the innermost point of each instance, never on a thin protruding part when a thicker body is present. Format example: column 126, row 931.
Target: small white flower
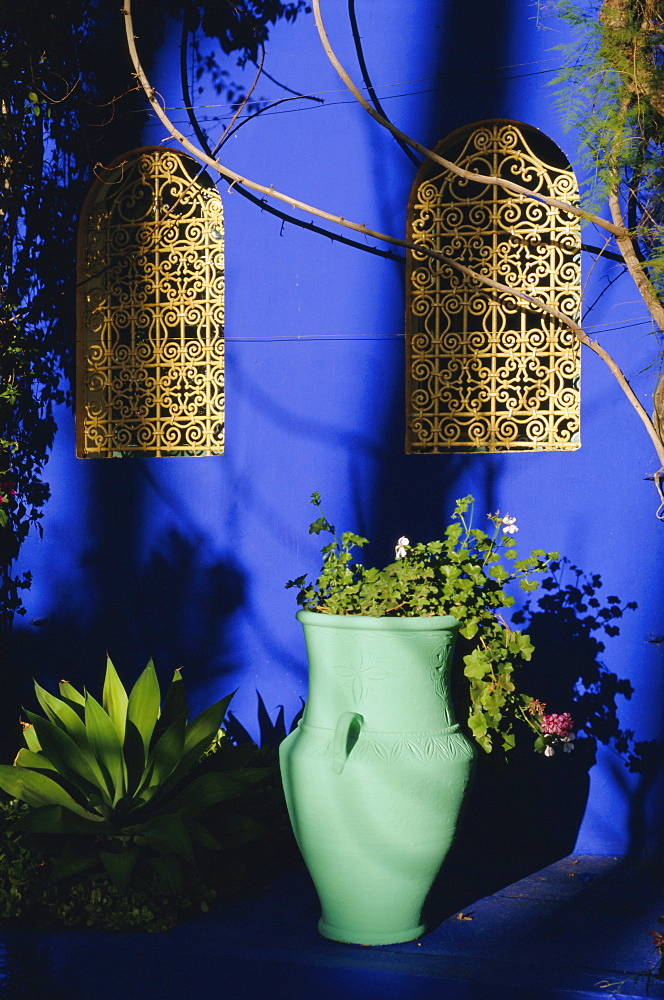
column 549, row 751
column 401, row 546
column 509, row 525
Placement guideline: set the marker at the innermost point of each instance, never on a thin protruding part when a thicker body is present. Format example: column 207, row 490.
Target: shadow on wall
column 569, row 626
column 525, row 813
column 473, row 62
column 144, row 590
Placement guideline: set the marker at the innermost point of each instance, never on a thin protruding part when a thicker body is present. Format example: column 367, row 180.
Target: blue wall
column 186, row 559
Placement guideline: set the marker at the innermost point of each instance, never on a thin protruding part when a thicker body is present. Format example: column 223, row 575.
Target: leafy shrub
column 464, row 574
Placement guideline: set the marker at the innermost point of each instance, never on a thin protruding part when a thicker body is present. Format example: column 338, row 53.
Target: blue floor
column 576, row 929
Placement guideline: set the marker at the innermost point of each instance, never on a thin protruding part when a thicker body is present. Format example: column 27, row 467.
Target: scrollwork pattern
column 486, row 371
column 151, row 316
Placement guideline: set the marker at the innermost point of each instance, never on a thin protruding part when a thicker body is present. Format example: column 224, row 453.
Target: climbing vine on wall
column 68, row 104
column 37, row 177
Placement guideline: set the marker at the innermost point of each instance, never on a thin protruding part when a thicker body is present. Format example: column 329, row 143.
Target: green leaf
column 171, row 869
column 209, row 789
column 119, row 866
column 69, row 692
column 76, row 765
column 509, row 741
column 77, row 856
column 35, row 761
column 201, row 836
column 167, row 752
column 475, row 665
column 106, row 746
column 477, row 724
column 61, row 714
column 469, row 629
column 38, row 789
column 56, row 819
column 166, row 834
column 520, row 645
column 485, row 743
column 199, row 733
column 31, row 740
column 114, row 699
column 134, row 758
column 320, row 524
column 143, row 705
column 174, row 704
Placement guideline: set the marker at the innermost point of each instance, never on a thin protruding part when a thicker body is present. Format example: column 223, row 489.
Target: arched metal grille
column 150, row 352
column 487, row 371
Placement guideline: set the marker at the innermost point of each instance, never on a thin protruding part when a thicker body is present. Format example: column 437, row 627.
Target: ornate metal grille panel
column 150, row 358
column 487, row 372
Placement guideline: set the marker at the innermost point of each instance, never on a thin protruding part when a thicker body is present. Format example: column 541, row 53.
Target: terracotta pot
column 376, row 772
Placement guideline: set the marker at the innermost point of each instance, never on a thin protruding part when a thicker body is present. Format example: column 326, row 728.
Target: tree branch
column 563, row 206
column 635, row 267
column 364, row 70
column 236, row 178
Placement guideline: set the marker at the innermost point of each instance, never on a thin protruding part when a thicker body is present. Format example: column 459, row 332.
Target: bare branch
column 236, row 178
column 563, row 206
column 240, row 108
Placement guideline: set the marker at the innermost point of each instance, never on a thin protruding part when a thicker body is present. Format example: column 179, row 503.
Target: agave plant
column 104, row 780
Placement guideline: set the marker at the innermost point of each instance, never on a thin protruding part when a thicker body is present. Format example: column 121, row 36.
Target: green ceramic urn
column 376, row 772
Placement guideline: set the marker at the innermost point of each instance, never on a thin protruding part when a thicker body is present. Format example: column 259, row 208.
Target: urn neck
column 394, row 672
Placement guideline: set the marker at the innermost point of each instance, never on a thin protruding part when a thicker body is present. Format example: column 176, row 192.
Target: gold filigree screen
column 150, row 351
column 486, row 371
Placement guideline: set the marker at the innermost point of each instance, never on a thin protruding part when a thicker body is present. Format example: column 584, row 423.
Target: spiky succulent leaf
column 204, row 727
column 106, row 746
column 75, row 763
column 174, row 705
column 76, row 856
column 70, row 694
column 119, row 866
column 31, row 740
column 61, row 714
column 84, row 782
column 135, row 759
column 114, row 699
column 56, row 819
column 167, row 751
column 143, row 705
column 33, row 760
column 38, row 789
column 166, row 834
column 209, row 789
column 201, row 836
column 171, row 869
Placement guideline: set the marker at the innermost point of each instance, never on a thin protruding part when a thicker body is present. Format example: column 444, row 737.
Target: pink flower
column 7, row 489
column 509, row 525
column 558, row 724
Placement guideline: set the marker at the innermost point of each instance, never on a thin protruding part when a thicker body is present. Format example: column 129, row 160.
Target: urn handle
column 345, row 737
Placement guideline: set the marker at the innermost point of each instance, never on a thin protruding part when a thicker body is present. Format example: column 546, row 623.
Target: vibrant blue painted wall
column 186, row 559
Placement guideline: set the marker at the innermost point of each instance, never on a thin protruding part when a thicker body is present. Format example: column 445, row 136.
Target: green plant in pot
column 376, row 773
column 108, row 785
